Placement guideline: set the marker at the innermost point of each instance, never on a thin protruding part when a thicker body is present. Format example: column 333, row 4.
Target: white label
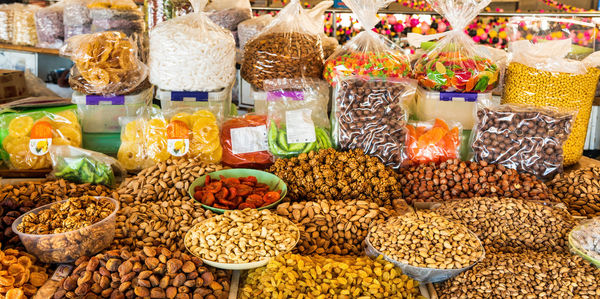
column 61, row 272
column 249, row 140
column 39, row 147
column 300, row 127
column 178, row 147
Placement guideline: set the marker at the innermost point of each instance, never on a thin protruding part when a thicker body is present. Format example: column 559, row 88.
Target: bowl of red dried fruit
column 238, row 189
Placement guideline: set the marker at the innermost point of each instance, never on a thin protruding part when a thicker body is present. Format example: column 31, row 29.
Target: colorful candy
column 372, row 64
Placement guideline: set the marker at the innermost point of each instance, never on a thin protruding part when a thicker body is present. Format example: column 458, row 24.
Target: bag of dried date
column 455, row 63
column 368, row 53
column 370, row 114
column 286, row 48
column 522, row 137
column 297, row 116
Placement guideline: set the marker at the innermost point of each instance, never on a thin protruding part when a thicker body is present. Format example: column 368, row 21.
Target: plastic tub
column 449, row 106
column 100, row 114
column 216, row 102
column 69, row 246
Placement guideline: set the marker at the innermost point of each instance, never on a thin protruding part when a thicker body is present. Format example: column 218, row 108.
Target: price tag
column 300, row 126
column 249, row 140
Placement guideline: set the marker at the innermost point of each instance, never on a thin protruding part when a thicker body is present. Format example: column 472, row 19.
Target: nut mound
column 579, row 190
column 427, row 240
column 242, row 236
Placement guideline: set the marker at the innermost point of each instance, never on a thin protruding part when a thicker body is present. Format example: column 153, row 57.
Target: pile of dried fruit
column 427, row 240
column 295, row 276
column 151, row 272
column 20, row 277
column 329, row 174
column 528, row 274
column 242, row 236
column 512, row 225
column 333, row 227
column 579, row 190
column 156, row 208
column 455, row 179
column 20, row 198
column 235, row 193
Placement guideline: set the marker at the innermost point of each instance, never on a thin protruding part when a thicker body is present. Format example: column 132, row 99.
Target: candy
column 375, row 65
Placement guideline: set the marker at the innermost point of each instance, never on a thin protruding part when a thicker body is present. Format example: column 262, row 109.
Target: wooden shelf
column 28, row 49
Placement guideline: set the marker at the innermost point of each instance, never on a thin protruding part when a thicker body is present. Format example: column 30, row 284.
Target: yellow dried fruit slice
column 67, row 116
column 20, row 126
column 202, row 114
column 37, row 279
column 60, row 141
column 71, row 134
column 29, row 290
column 11, row 142
column 21, row 278
column 6, row 280
column 24, row 261
column 185, row 117
column 157, row 151
column 15, row 294
column 205, row 130
column 134, row 131
column 156, row 126
column 131, row 155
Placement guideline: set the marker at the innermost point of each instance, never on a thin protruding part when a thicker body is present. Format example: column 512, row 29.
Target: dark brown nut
column 178, row 280
column 104, row 282
column 149, row 251
column 173, row 265
column 82, row 289
column 128, row 277
column 215, row 286
column 125, row 268
column 124, row 287
column 144, row 274
column 207, row 278
column 70, row 283
column 117, row 295
column 151, row 263
column 107, row 292
column 154, row 281
column 164, row 282
column 579, row 190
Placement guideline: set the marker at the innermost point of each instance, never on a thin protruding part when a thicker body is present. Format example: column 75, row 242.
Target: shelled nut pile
column 528, row 274
column 329, row 174
column 512, row 225
column 579, row 190
column 156, row 208
column 427, row 240
column 151, row 272
column 456, row 179
column 20, row 274
column 289, row 276
column 242, row 236
column 329, row 226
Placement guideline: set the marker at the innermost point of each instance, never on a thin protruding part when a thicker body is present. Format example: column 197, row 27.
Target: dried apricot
column 37, row 279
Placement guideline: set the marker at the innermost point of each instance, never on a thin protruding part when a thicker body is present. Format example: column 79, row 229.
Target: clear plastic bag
column 432, row 142
column 76, row 18
column 317, row 15
column 229, row 13
column 586, row 238
column 129, row 22
column 28, row 136
column 368, row 53
column 23, row 26
column 251, row 27
column 286, row 48
column 84, row 166
column 113, row 4
column 244, row 142
column 297, row 115
column 106, row 63
column 524, row 138
column 49, row 26
column 370, row 114
column 192, row 35
column 455, row 63
column 6, row 17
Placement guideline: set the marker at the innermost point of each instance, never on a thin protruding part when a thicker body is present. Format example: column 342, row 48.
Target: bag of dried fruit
column 84, row 166
column 542, row 74
column 455, row 63
column 368, row 53
column 49, row 26
column 297, row 116
column 244, row 142
column 431, row 142
column 286, row 48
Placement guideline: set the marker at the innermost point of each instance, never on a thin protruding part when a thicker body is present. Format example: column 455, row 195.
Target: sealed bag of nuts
column 368, row 53
column 286, row 48
column 370, row 114
column 525, row 138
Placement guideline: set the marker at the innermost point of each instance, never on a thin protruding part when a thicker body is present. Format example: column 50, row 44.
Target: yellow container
column 527, row 85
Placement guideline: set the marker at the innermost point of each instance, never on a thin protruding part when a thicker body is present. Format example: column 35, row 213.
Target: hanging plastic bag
column 455, row 63
column 297, row 115
column 431, row 142
column 6, row 20
column 83, row 166
column 76, row 18
column 23, row 26
column 106, row 63
column 250, row 28
column 49, row 26
column 317, row 16
column 244, row 142
column 284, row 49
column 368, row 53
column 116, row 15
column 194, row 35
column 27, row 136
column 541, row 74
column 229, row 13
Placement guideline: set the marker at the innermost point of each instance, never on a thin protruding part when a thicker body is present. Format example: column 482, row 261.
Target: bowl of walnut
column 63, row 231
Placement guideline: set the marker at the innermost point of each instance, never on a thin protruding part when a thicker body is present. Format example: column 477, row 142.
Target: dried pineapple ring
column 22, row 158
column 202, row 114
column 134, row 131
column 71, row 134
column 24, row 261
column 29, row 290
column 15, row 294
column 37, row 279
column 157, row 151
column 205, row 130
column 131, row 155
column 10, row 142
column 96, row 76
column 21, row 278
column 66, row 116
column 60, row 141
column 214, row 156
column 15, row 269
column 6, row 280
column 184, row 117
column 20, row 126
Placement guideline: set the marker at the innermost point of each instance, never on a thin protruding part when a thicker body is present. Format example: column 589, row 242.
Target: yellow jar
column 527, row 85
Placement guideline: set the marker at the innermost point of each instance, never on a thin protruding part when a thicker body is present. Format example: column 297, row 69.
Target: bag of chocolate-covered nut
column 371, row 114
column 522, row 137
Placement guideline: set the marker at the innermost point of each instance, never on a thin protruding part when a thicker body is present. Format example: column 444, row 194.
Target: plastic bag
column 368, row 53
column 541, row 74
column 106, row 63
column 229, row 13
column 250, row 28
column 113, row 4
column 6, row 17
column 455, row 63
column 50, row 27
column 286, row 48
column 76, row 18
column 27, row 137
column 23, row 26
column 297, row 114
column 317, row 15
column 370, row 114
column 129, row 22
column 194, row 36
column 244, row 142
column 524, row 138
column 431, row 142
column 586, row 238
column 82, row 166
